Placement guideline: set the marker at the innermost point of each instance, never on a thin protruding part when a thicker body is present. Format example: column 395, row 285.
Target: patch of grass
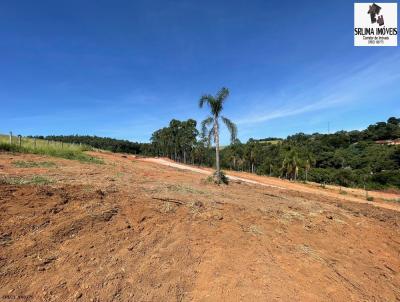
column 168, row 208
column 252, row 229
column 309, row 251
column 33, row 164
column 33, row 180
column 39, row 180
column 370, row 198
column 67, row 151
column 196, row 207
column 292, row 215
column 255, row 230
column 343, row 192
column 183, row 189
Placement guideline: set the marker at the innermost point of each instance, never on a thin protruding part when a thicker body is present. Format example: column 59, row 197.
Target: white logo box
column 367, row 33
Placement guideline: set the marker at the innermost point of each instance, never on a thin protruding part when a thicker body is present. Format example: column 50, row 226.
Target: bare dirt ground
column 131, row 230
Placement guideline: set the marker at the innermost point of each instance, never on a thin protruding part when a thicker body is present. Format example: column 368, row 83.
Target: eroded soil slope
column 136, row 231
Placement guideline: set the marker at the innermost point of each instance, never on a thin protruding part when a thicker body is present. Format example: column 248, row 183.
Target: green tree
column 309, row 163
column 290, row 165
column 188, row 135
column 216, row 104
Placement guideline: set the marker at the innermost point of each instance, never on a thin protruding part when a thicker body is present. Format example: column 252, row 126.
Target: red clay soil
column 129, row 230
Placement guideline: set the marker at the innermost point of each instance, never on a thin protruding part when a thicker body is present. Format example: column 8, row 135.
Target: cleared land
column 134, row 230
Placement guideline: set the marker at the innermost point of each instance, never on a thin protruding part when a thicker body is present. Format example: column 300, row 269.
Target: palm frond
column 211, row 135
column 204, row 124
column 205, row 99
column 231, row 127
column 222, row 94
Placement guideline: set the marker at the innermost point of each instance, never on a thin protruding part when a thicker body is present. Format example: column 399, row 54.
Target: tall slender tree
column 290, row 165
column 309, row 163
column 216, row 104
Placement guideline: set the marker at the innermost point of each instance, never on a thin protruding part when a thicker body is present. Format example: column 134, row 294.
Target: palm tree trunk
column 216, row 135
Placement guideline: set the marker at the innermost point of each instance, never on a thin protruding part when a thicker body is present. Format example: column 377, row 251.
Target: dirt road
column 130, row 230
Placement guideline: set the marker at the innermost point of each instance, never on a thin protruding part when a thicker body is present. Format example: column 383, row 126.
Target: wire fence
column 35, row 143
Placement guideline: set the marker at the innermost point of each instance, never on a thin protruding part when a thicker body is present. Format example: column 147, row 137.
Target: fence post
column 10, row 137
column 34, row 142
column 19, row 140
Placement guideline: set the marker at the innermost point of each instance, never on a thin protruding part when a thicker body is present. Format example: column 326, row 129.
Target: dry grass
column 26, row 180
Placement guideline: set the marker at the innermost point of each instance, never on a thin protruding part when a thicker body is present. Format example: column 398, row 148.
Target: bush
column 213, row 178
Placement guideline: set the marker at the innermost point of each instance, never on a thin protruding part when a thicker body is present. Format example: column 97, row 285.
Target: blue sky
column 125, row 68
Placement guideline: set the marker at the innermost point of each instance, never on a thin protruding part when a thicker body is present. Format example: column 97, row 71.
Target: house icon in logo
column 374, row 10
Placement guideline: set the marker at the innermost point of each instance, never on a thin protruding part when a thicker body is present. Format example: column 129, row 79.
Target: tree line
column 177, row 141
column 346, row 158
column 104, row 143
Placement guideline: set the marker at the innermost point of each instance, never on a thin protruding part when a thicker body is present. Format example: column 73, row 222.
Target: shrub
column 213, row 178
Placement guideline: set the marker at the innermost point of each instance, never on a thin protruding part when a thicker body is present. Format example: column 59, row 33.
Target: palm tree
column 310, row 161
column 216, row 105
column 290, row 165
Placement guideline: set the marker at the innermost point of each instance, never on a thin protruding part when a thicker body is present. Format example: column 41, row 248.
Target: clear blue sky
column 125, row 68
